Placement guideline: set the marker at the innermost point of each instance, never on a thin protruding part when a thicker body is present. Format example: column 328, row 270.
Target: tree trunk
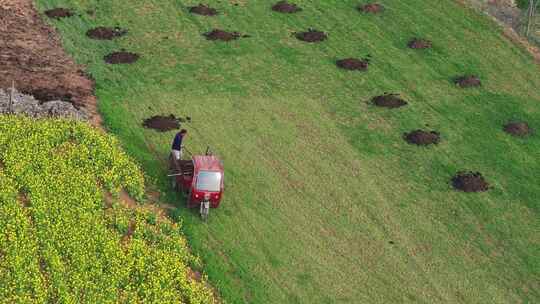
column 531, row 14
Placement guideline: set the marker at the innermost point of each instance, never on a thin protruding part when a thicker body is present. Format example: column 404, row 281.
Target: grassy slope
column 318, row 181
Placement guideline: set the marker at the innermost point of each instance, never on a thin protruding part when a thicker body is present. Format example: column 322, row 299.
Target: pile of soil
column 33, row 58
column 45, row 94
column 59, row 12
column 519, row 129
column 162, row 123
column 353, row 64
column 422, row 138
column 311, row 36
column 121, row 57
column 418, row 43
column 470, row 182
column 286, row 7
column 217, row 34
column 388, row 101
column 468, row 81
column 204, row 10
column 105, row 33
column 373, row 8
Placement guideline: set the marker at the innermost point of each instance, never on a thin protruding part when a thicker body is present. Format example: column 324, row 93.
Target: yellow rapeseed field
column 60, row 242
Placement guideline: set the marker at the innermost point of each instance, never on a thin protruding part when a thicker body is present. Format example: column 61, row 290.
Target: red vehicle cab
column 201, row 178
column 207, row 181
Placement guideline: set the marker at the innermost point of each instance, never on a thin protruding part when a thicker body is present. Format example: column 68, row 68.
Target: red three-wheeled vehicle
column 201, row 179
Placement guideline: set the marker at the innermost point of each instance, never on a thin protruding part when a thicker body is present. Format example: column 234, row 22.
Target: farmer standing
column 177, row 144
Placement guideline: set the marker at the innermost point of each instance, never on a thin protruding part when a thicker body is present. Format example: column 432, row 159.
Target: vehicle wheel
column 205, row 209
column 204, row 215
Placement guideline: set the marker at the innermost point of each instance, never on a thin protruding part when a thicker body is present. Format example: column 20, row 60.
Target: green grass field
column 325, row 202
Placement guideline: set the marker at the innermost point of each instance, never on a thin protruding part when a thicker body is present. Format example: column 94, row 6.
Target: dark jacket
column 177, row 142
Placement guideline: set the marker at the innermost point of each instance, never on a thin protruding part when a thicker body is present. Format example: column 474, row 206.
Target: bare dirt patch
column 217, row 34
column 468, row 81
column 23, row 199
column 33, row 58
column 311, row 35
column 132, row 226
column 388, row 101
column 194, row 275
column 353, row 64
column 58, row 13
column 470, row 182
column 162, row 123
column 121, row 57
column 422, row 138
column 105, row 33
column 286, row 7
column 419, row 43
column 203, row 10
column 373, row 8
column 519, row 129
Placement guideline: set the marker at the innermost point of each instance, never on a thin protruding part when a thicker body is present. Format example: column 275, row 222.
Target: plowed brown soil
column 32, row 57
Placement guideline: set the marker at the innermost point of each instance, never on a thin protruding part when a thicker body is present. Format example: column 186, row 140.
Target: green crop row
column 62, row 242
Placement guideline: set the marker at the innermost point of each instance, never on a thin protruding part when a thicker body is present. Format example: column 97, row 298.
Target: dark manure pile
column 518, row 128
column 221, row 35
column 203, row 10
column 470, row 182
column 422, row 138
column 121, row 58
column 59, row 12
column 311, row 35
column 468, row 81
column 418, row 43
column 373, row 8
column 286, row 7
column 162, row 123
column 388, row 101
column 353, row 64
column 105, row 33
